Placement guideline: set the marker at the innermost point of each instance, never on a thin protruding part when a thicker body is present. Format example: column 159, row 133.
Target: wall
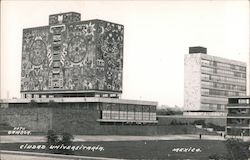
column 77, row 118
column 35, row 118
column 192, row 82
column 78, row 56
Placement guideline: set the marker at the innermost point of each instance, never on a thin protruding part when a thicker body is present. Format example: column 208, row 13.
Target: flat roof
column 127, row 120
column 219, row 59
column 71, row 92
column 191, row 116
column 79, row 100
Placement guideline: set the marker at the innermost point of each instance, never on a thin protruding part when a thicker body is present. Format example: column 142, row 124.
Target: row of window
column 218, row 107
column 223, row 65
column 127, row 107
column 214, row 92
column 36, row 96
column 223, row 72
column 234, row 121
column 124, row 115
column 243, row 101
column 238, row 111
column 222, row 78
column 217, row 100
column 223, row 86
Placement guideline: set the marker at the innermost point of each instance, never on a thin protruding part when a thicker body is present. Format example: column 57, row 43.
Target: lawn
column 172, row 149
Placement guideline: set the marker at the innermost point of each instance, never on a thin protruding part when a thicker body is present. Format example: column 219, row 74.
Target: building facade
column 238, row 117
column 72, row 58
column 209, row 81
column 71, row 81
column 77, row 115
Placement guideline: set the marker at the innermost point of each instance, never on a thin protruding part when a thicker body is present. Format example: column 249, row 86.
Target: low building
column 90, row 115
column 209, row 81
column 238, row 117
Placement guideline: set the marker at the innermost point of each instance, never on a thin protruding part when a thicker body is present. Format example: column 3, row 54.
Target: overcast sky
column 157, row 36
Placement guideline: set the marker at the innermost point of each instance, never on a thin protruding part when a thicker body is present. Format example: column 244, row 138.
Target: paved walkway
column 85, row 138
column 15, row 155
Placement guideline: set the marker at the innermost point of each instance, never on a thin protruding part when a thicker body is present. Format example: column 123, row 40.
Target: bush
column 33, row 103
column 200, row 122
column 55, row 139
column 67, row 138
column 209, row 125
column 168, row 111
column 218, row 157
column 52, row 138
column 52, row 103
column 175, row 122
column 215, row 127
column 238, row 148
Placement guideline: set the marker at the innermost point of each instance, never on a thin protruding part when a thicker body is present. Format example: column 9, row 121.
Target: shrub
column 218, row 157
column 52, row 103
column 67, row 138
column 33, row 103
column 168, row 111
column 238, row 148
column 54, row 139
column 200, row 122
column 215, row 127
column 173, row 122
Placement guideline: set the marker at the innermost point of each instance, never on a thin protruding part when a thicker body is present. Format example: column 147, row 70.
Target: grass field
column 195, row 149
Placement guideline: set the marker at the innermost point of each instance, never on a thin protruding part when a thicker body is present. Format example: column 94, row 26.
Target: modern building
column 78, row 115
column 71, row 81
column 209, row 81
column 72, row 58
column 238, row 118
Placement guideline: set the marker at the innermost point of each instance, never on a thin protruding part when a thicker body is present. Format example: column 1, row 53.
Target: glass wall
column 130, row 112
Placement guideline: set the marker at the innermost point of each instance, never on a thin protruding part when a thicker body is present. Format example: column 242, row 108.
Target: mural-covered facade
column 72, row 55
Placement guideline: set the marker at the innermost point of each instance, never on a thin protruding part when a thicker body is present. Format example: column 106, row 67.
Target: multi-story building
column 71, row 81
column 238, row 117
column 209, row 81
column 72, row 58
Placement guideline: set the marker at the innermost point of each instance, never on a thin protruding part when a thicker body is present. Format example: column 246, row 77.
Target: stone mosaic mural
column 77, row 56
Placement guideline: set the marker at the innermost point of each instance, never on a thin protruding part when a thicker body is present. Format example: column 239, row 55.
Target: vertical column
column 248, row 64
column 57, row 54
column 248, row 72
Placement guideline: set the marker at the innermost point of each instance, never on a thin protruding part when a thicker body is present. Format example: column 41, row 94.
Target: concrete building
column 238, row 118
column 71, row 81
column 72, row 58
column 77, row 115
column 209, row 81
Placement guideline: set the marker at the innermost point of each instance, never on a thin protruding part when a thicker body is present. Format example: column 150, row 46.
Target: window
column 243, row 101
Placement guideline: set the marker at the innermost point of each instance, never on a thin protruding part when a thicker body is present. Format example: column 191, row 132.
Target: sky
column 157, row 35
